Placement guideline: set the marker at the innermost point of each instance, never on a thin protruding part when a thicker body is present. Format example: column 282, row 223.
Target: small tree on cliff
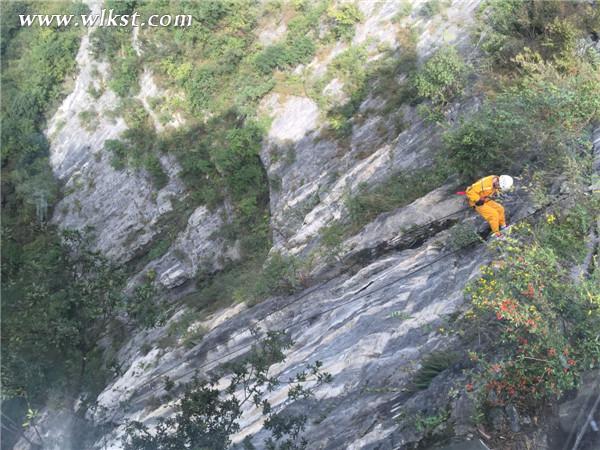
column 207, row 417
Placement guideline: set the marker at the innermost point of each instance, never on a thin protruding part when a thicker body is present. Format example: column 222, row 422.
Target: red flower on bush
column 469, row 387
column 571, row 362
column 551, row 352
column 530, row 292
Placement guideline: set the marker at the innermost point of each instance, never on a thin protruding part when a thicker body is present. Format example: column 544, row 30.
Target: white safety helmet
column 506, row 182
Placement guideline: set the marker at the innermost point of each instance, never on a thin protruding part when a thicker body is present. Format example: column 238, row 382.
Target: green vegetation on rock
column 43, row 314
column 542, row 323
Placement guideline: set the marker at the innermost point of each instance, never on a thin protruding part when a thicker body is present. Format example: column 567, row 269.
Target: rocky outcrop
column 122, row 208
column 207, row 252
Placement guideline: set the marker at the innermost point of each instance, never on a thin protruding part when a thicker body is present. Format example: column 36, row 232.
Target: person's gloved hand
column 479, row 203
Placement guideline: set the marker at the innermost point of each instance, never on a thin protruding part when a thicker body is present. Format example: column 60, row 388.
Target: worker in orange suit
column 479, row 194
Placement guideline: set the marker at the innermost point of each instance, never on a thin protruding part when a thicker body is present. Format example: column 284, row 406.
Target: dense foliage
column 535, row 323
column 538, row 119
column 521, row 302
column 40, row 321
column 54, row 310
column 548, row 27
column 442, row 77
column 58, row 296
column 545, row 94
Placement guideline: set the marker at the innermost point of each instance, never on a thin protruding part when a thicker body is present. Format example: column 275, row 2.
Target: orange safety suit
column 491, row 211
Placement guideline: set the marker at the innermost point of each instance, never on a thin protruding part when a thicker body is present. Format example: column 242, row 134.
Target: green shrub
column 350, row 68
column 121, row 6
column 566, row 232
column 404, row 10
column 279, row 275
column 488, row 142
column 442, row 77
column 307, row 19
column 367, row 203
column 134, row 113
column 538, row 119
column 106, row 42
column 95, row 93
column 159, row 248
column 432, row 365
column 206, row 417
column 124, row 76
column 548, row 27
column 427, row 424
column 288, row 54
column 154, row 167
column 89, row 119
column 332, row 238
column 541, row 325
column 201, row 87
column 343, row 18
column 462, row 235
column 430, row 8
column 144, row 308
column 119, row 152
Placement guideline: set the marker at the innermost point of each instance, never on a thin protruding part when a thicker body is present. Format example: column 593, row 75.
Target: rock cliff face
column 371, row 321
column 121, row 207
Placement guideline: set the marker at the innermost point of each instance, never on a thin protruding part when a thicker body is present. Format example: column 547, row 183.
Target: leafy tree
column 125, row 74
column 59, row 301
column 343, row 19
column 288, row 54
column 142, row 306
column 49, row 295
column 207, row 417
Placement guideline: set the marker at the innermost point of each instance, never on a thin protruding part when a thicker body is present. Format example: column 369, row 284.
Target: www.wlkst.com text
column 105, row 19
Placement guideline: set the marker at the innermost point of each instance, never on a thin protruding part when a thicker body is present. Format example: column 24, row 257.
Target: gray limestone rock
column 497, row 418
column 573, row 413
column 513, row 418
column 182, row 261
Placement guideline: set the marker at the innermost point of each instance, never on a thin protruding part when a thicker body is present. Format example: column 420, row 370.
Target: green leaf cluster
column 442, row 77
